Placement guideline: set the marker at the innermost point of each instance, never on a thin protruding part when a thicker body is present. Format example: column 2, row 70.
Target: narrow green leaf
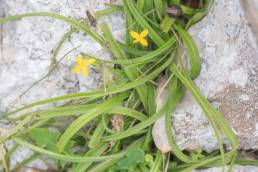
column 157, row 163
column 96, row 93
column 131, row 73
column 192, row 52
column 96, row 137
column 108, row 11
column 215, row 118
column 74, row 23
column 133, row 157
column 166, row 24
column 67, row 158
column 84, row 119
column 199, row 15
column 160, row 8
column 97, row 151
column 151, row 99
column 140, row 19
column 43, row 137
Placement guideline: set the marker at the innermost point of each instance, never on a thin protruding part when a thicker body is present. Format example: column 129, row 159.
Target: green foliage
column 166, row 24
column 80, row 134
column 132, row 159
column 44, row 138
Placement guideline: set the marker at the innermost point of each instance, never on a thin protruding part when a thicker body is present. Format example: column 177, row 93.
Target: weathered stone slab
column 229, row 79
column 25, row 54
column 251, row 12
column 27, row 45
column 237, row 168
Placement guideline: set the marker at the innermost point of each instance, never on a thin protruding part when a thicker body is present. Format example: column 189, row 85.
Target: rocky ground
column 229, row 77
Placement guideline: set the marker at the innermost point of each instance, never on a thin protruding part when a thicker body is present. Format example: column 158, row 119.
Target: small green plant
column 110, row 128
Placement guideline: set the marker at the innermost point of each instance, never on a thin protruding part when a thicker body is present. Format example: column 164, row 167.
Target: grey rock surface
column 251, row 12
column 229, row 79
column 237, row 168
column 27, row 44
column 25, row 54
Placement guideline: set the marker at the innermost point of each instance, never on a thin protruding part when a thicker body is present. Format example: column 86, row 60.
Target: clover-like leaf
column 134, row 157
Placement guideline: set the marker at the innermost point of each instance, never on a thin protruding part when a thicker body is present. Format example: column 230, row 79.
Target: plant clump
column 110, row 128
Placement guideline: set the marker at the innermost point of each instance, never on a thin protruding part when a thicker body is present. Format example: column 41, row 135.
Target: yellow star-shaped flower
column 82, row 65
column 140, row 37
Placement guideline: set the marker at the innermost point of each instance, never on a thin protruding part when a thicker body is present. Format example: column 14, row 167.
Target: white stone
column 229, row 79
column 237, row 168
column 25, row 52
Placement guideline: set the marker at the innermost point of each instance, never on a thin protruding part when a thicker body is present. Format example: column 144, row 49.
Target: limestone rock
column 26, row 47
column 251, row 10
column 237, row 168
column 25, row 54
column 229, row 79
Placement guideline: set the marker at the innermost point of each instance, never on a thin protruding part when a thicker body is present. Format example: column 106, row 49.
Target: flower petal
column 78, row 58
column 135, row 35
column 144, row 33
column 90, row 61
column 144, row 42
column 76, row 69
column 84, row 71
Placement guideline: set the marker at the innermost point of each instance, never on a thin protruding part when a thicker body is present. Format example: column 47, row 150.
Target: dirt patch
column 238, row 105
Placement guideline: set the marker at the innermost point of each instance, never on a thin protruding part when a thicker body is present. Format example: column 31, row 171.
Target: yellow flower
column 140, row 37
column 82, row 65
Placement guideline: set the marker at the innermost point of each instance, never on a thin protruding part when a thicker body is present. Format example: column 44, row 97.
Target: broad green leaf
column 43, row 137
column 133, row 158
